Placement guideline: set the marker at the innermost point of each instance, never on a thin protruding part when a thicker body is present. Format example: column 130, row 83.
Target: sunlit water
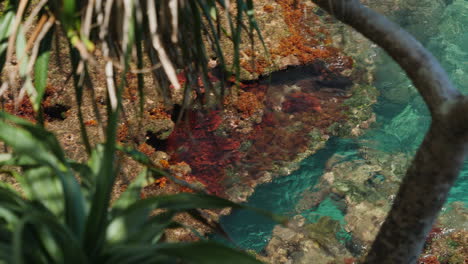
column 400, row 127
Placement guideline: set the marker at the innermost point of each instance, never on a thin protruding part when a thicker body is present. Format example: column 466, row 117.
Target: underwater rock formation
column 303, row 242
column 265, row 127
column 365, row 188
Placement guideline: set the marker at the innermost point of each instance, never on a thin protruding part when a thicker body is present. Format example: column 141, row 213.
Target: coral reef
column 446, row 246
column 448, row 240
column 207, row 153
column 263, row 127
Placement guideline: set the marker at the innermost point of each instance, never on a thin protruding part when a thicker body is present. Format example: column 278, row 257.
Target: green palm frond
column 63, row 212
column 52, row 219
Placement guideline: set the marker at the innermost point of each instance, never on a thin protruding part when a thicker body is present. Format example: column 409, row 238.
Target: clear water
column 400, row 127
column 252, row 231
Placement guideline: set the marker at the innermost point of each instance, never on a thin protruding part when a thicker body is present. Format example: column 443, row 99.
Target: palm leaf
column 41, row 69
column 6, row 22
column 205, row 252
column 40, row 145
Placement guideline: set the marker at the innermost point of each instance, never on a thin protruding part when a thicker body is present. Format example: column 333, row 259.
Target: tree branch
column 439, row 159
column 422, row 68
column 420, row 198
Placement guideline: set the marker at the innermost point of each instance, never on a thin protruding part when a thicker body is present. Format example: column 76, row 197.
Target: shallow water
column 402, row 120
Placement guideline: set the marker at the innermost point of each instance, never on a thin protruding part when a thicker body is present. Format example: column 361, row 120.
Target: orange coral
column 158, row 113
column 308, row 43
column 51, row 111
column 146, row 149
column 91, row 122
column 131, row 88
column 248, row 104
column 161, row 182
column 122, row 133
column 268, row 8
column 185, row 189
column 255, row 63
column 23, row 109
column 164, row 164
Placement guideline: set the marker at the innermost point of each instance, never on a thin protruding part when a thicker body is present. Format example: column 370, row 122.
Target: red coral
column 24, row 109
column 349, row 260
column 211, row 122
column 428, row 260
column 301, row 102
column 278, row 139
column 207, row 153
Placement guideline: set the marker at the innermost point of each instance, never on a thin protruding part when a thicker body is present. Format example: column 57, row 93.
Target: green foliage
column 50, row 221
column 63, row 213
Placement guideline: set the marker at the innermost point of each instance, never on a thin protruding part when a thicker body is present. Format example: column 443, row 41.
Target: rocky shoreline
column 315, row 82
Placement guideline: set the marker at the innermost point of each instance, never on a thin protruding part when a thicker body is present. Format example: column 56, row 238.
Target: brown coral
column 247, row 103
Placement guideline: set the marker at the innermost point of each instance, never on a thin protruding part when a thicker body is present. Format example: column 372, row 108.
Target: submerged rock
column 306, row 243
column 367, row 187
column 364, row 220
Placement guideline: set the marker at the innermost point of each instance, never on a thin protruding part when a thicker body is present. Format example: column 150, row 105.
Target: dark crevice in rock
column 56, row 112
column 176, row 111
column 158, row 144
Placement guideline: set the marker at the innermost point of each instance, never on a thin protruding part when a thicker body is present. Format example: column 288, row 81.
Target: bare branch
column 174, row 8
column 158, row 46
column 87, row 19
column 44, row 29
column 109, row 69
column 14, row 32
column 34, row 14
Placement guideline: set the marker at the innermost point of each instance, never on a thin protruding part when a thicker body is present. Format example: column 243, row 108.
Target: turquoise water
column 252, row 231
column 402, row 120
